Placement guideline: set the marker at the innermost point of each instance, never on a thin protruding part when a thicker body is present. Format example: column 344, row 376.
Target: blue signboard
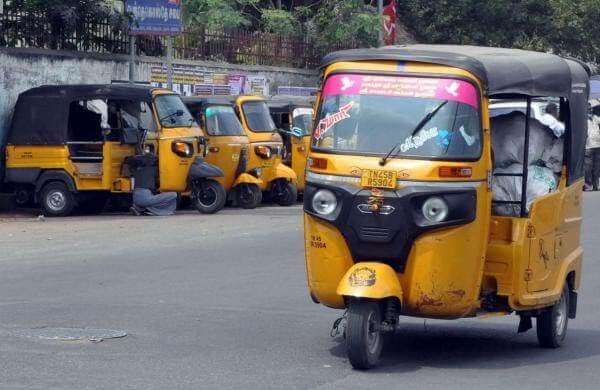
column 155, row 17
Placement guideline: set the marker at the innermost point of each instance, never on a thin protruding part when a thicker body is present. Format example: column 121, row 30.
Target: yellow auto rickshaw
column 68, row 146
column 227, row 148
column 279, row 182
column 293, row 116
column 410, row 210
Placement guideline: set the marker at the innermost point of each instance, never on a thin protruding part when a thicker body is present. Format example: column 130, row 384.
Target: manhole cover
column 72, row 334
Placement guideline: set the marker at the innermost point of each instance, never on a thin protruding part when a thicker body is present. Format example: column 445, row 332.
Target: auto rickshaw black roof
column 284, row 103
column 41, row 115
column 211, row 100
column 504, row 73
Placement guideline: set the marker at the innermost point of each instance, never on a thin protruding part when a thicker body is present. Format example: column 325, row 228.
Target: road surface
column 220, row 302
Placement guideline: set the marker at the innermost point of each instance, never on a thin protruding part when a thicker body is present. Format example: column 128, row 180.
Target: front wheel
column 364, row 340
column 287, row 193
column 552, row 323
column 210, row 197
column 248, row 196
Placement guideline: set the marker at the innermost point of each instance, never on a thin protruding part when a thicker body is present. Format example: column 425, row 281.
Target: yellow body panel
column 526, row 260
column 225, row 154
column 300, row 150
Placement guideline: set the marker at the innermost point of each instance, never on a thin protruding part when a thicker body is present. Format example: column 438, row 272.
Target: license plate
column 267, row 164
column 378, row 179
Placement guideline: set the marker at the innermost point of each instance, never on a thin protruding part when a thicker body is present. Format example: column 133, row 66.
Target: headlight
column 324, row 202
column 435, row 210
column 182, row 149
column 256, row 172
column 263, row 151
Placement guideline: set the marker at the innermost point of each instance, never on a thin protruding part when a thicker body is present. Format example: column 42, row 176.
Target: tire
column 364, row 344
column 552, row 323
column 248, row 196
column 212, row 197
column 56, row 199
column 91, row 204
column 288, row 195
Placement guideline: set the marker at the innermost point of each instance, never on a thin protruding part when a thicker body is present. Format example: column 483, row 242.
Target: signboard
column 193, row 80
column 155, row 17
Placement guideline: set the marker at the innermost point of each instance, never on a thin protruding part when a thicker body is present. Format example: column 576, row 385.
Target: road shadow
column 494, row 346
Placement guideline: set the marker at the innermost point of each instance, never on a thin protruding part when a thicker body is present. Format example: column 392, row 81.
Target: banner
column 190, row 80
column 155, row 17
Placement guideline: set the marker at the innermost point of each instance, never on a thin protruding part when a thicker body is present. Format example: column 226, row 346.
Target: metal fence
column 21, row 28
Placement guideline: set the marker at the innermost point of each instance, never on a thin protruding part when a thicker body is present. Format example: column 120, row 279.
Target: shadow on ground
column 463, row 347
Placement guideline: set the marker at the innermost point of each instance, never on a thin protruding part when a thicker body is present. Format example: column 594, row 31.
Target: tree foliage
column 566, row 27
column 326, row 21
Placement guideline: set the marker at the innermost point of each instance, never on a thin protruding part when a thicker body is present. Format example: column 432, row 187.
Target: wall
column 22, row 69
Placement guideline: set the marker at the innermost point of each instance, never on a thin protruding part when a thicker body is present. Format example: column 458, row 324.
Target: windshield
column 222, row 120
column 172, row 112
column 302, row 119
column 258, row 117
column 370, row 114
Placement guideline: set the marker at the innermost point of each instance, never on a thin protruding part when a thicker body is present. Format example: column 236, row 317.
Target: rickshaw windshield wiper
column 417, row 128
column 176, row 113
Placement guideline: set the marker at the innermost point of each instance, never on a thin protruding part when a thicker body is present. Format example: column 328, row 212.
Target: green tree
column 215, row 14
column 565, row 27
column 343, row 23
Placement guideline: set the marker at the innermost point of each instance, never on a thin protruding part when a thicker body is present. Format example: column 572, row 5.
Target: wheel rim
column 373, row 333
column 561, row 316
column 56, row 200
column 208, row 197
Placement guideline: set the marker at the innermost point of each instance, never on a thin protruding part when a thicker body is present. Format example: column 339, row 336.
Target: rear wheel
column 287, row 193
column 364, row 340
column 56, row 199
column 248, row 196
column 552, row 323
column 210, row 197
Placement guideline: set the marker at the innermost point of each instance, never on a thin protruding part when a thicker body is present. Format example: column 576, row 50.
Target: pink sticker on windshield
column 411, row 87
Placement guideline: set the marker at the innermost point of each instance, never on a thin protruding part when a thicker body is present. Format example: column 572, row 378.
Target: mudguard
column 370, row 280
column 246, row 178
column 55, row 175
column 284, row 172
column 200, row 169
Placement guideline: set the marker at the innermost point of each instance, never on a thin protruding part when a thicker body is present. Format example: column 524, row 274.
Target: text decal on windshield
column 329, row 121
column 409, row 87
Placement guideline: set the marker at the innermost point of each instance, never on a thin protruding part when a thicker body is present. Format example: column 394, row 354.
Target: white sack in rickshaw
column 540, row 181
column 508, row 138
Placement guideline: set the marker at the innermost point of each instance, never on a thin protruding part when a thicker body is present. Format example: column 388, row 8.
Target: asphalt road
column 220, row 302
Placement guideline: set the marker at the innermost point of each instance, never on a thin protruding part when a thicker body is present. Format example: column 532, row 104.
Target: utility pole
column 380, row 13
column 132, row 39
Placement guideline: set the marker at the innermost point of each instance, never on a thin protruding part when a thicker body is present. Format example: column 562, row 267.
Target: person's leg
column 595, row 168
column 588, row 170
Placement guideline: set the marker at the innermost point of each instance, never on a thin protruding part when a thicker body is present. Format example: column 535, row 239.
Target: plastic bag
column 508, row 138
column 553, row 157
column 540, row 181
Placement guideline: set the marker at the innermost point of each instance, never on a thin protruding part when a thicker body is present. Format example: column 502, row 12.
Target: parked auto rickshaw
column 293, row 117
column 279, row 182
column 68, row 144
column 227, row 148
column 398, row 203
